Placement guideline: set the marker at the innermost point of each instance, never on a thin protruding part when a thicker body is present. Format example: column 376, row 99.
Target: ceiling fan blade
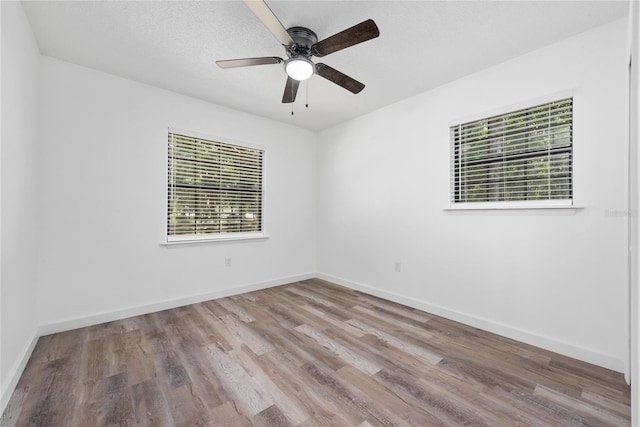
column 270, row 20
column 339, row 78
column 247, row 62
column 359, row 33
column 290, row 91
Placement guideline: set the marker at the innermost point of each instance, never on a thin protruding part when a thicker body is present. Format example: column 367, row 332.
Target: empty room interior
column 307, row 213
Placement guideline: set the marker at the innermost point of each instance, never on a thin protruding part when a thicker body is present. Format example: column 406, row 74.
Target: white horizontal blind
column 519, row 156
column 213, row 187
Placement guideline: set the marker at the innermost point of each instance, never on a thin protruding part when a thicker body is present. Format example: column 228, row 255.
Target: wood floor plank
column 339, row 350
column 14, row 407
column 92, row 366
column 272, row 416
column 356, row 410
column 51, row 402
column 289, row 380
column 61, row 345
column 384, row 399
column 432, row 398
column 294, row 346
column 188, row 408
column 171, row 370
column 608, row 404
column 204, row 320
column 392, row 327
column 285, row 405
column 247, row 394
column 150, row 405
column 138, row 366
column 394, row 341
column 389, row 309
column 237, row 332
column 590, row 414
column 204, row 384
column 112, row 404
column 310, row 297
column 308, row 353
column 233, row 307
column 229, row 415
column 326, row 320
column 189, row 328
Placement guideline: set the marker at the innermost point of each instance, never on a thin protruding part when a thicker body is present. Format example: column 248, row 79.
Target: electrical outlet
column 227, row 262
column 398, row 266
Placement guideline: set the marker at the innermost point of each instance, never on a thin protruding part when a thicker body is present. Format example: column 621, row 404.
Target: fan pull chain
column 292, row 101
column 306, row 87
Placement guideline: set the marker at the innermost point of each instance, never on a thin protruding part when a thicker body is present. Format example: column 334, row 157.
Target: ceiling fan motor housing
column 304, row 38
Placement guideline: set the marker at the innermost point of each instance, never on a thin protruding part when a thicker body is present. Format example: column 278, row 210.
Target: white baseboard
column 16, row 371
column 95, row 319
column 552, row 344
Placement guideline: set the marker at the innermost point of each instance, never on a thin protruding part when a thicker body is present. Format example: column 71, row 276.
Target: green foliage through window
column 519, row 156
column 213, row 187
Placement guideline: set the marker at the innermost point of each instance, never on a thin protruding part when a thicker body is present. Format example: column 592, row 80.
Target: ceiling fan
column 301, row 44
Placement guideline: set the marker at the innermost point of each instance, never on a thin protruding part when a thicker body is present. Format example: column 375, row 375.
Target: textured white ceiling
column 422, row 44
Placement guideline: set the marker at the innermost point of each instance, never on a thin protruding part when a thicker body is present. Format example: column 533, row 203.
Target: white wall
column 18, row 194
column 634, row 207
column 553, row 279
column 103, row 160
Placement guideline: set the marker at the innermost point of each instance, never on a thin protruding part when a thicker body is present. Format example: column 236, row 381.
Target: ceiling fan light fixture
column 299, row 68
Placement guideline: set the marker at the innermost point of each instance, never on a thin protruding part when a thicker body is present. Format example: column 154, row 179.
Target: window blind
column 213, row 188
column 519, row 156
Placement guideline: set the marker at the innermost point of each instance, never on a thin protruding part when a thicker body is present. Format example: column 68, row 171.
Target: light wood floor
column 309, row 353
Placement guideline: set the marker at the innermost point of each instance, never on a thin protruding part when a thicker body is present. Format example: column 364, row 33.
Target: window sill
column 500, row 207
column 226, row 238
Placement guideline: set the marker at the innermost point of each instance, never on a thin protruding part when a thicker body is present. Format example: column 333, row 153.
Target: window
column 214, row 189
column 522, row 156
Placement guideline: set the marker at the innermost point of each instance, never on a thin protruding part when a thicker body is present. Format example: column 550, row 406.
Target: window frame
column 542, row 204
column 170, row 239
